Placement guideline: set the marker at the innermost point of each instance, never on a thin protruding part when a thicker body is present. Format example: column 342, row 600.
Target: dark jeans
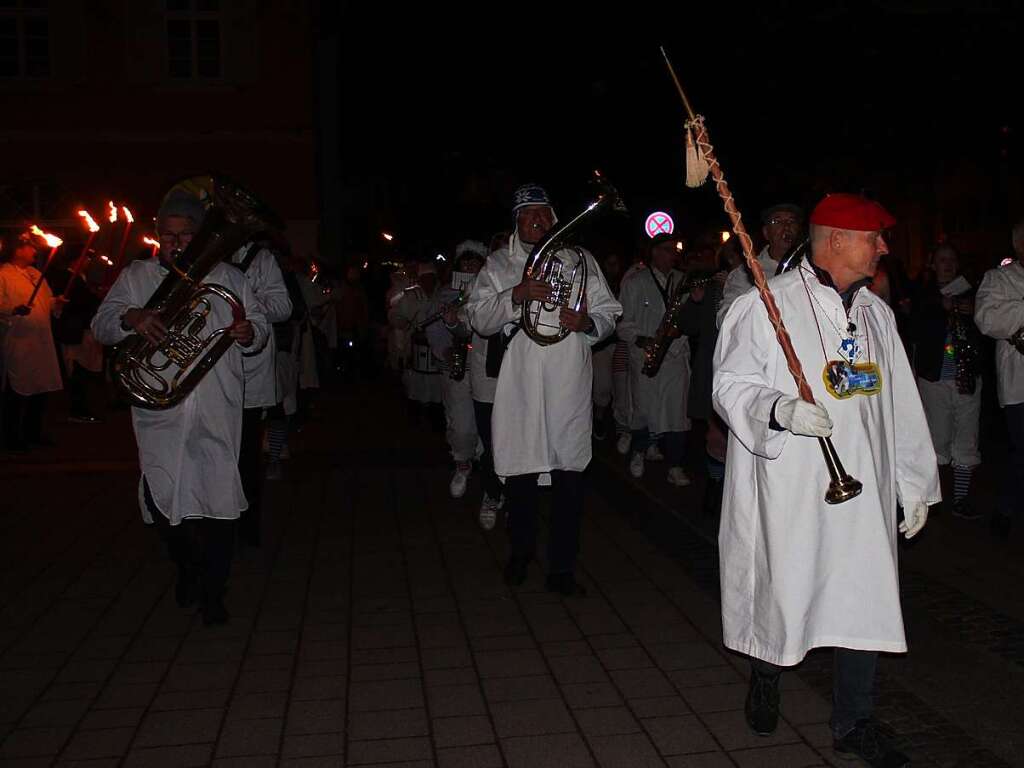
column 522, row 499
column 250, row 468
column 80, row 384
column 1009, row 495
column 673, row 442
column 853, row 685
column 200, row 547
column 23, row 418
column 492, row 485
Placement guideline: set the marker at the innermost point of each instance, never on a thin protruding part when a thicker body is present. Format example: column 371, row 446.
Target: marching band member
column 190, row 485
column 610, row 387
column 421, row 376
column 659, row 401
column 797, row 574
column 542, row 415
column 781, row 226
column 257, row 262
column 30, row 358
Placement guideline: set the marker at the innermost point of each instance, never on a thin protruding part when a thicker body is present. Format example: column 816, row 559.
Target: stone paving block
column 393, row 724
column 446, row 658
column 112, row 718
column 614, row 640
column 319, row 632
column 702, row 676
column 503, row 643
column 624, row 658
column 189, row 700
column 192, row 756
column 789, row 755
column 51, row 713
column 384, row 655
column 250, row 737
column 367, row 638
column 321, row 667
column 268, row 661
column 388, row 751
column 325, row 761
column 264, row 641
column 672, row 656
column 470, row 757
column 89, row 745
column 457, row 676
column 510, row 663
column 625, row 751
column 121, row 696
column 313, row 745
column 529, row 718
column 325, row 716
column 462, row 731
column 195, row 726
column 250, row 706
column 704, row 760
column 804, row 707
column 642, row 683
column 385, row 694
column 153, row 649
column 249, row 761
column 319, row 650
column 34, row 742
column 716, row 698
column 578, row 669
column 452, row 700
column 564, row 750
column 86, row 671
column 312, row 688
column 200, row 677
column 404, row 671
column 600, row 624
column 659, row 706
column 520, row 688
column 139, row 672
column 264, row 680
column 732, row 731
column 206, row 651
column 583, row 695
column 607, row 721
column 657, row 632
column 60, row 691
column 679, row 735
column 817, row 734
column 556, row 631
column 554, row 650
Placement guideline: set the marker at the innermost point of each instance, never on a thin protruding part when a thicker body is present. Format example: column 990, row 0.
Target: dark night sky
column 439, row 126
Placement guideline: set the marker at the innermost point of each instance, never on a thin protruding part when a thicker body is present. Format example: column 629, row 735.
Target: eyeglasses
column 176, row 238
column 792, row 223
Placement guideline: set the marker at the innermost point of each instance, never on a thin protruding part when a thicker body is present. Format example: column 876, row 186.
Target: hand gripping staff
column 842, row 487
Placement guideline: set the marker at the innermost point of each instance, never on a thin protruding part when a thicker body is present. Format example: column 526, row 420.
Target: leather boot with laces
column 867, row 743
column 762, row 707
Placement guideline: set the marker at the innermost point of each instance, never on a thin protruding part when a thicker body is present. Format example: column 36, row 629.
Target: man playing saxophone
column 190, row 487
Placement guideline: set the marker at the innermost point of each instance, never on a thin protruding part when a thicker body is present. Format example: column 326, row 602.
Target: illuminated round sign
column 659, row 223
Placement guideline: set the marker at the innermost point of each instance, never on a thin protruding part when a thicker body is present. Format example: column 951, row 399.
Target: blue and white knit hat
column 529, row 194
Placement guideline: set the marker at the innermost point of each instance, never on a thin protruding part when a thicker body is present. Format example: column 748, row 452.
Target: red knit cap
column 845, row 211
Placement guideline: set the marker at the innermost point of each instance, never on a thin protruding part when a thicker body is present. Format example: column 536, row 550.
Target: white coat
column 30, row 357
column 422, row 374
column 999, row 313
column 739, row 281
column 658, row 402
column 542, row 418
column 263, row 274
column 797, row 573
column 189, row 453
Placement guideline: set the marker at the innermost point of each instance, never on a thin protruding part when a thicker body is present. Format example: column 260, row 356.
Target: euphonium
column 567, row 276
column 161, row 375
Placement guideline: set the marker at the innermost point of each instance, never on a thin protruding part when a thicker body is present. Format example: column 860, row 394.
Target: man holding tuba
column 542, row 418
column 190, row 487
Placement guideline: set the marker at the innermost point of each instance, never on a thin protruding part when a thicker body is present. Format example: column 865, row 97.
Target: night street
column 373, row 626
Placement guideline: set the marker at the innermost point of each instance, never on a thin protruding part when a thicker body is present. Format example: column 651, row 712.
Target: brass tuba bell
column 563, row 266
column 158, row 376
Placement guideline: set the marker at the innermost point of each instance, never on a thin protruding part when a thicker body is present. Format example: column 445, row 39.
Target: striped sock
column 278, row 435
column 961, row 481
column 716, row 469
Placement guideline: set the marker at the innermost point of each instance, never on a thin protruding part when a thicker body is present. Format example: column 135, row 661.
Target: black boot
column 865, row 742
column 762, row 706
column 565, row 584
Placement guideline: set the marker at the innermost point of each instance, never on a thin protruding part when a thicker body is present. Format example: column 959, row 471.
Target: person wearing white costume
column 796, row 573
column 542, row 416
column 190, row 486
column 259, row 265
column 659, row 401
column 421, row 376
column 781, row 226
column 999, row 313
column 30, row 364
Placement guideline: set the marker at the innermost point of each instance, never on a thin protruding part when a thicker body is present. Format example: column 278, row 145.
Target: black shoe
column 1000, row 525
column 600, row 430
column 866, row 742
column 515, row 570
column 215, row 613
column 565, row 584
column 963, row 508
column 187, row 589
column 762, row 707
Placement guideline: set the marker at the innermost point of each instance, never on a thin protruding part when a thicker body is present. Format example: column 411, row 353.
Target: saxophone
column 669, row 328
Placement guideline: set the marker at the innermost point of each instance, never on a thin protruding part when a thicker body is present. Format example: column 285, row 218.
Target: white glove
column 915, row 515
column 803, row 418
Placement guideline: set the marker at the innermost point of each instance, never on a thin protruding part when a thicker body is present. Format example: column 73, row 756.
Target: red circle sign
column 659, row 223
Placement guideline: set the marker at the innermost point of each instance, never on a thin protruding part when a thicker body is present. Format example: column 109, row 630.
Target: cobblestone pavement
column 373, row 627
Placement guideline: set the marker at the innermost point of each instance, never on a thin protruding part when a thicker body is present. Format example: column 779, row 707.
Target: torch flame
column 51, row 240
column 127, row 214
column 726, row 236
column 150, row 241
column 106, row 260
column 89, row 221
column 112, row 215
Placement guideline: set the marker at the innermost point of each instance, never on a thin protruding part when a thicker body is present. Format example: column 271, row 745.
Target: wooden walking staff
column 842, row 487
column 54, row 242
column 83, row 258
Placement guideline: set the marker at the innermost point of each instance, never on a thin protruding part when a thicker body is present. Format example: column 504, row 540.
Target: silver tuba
column 563, row 266
column 158, row 376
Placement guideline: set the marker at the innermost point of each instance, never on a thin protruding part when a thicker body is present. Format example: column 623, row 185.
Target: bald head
column 848, row 255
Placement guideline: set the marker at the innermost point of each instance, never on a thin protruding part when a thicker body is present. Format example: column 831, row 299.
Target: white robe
column 658, row 402
column 30, row 356
column 797, row 573
column 422, row 374
column 263, row 274
column 739, row 281
column 189, row 453
column 542, row 417
column 999, row 313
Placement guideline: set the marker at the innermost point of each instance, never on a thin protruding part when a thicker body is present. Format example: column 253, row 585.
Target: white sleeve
column 489, row 308
column 736, row 284
column 255, row 314
column 998, row 309
column 270, row 289
column 628, row 329
column 106, row 323
column 603, row 308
